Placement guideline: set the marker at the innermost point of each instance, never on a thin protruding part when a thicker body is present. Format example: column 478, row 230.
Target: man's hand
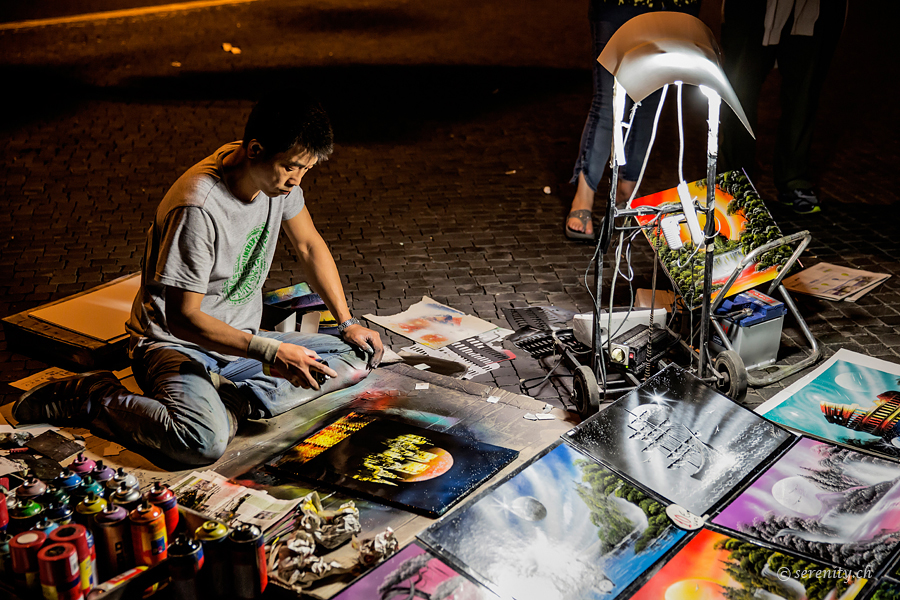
column 366, row 339
column 294, row 363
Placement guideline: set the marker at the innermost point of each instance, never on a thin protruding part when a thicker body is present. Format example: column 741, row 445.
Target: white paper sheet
column 433, row 324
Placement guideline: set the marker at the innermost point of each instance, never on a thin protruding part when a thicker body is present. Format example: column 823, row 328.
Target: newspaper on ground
column 216, row 497
column 480, row 354
column 834, row 282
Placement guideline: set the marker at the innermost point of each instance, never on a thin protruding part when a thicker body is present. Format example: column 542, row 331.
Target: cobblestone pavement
column 451, row 119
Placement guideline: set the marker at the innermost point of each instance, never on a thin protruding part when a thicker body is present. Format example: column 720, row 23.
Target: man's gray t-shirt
column 205, row 240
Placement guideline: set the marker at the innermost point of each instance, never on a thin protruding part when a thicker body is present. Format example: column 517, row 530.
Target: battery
column 81, row 538
column 59, row 572
column 248, row 561
column 629, row 350
column 756, row 335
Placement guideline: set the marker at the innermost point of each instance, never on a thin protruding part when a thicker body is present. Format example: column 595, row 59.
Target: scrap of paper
column 37, row 379
column 834, row 282
column 480, row 354
column 493, row 399
column 433, row 324
column 422, row 386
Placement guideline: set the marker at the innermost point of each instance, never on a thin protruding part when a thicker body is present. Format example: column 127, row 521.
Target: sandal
column 583, row 215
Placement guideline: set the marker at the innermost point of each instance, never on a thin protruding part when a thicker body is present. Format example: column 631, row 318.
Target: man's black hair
column 287, row 119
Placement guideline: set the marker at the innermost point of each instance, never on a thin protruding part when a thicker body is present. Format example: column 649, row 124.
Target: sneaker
column 803, row 202
column 63, row 401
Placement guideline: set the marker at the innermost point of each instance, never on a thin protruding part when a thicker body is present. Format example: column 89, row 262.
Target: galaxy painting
column 414, row 573
column 564, row 528
column 680, row 439
column 402, row 465
column 714, row 566
column 826, row 502
column 850, row 399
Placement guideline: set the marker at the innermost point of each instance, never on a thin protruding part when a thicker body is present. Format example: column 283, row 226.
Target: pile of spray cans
column 90, row 530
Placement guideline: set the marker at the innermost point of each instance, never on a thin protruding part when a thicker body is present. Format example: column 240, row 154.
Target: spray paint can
column 68, row 481
column 5, row 559
column 160, row 495
column 46, row 525
column 32, row 489
column 81, row 538
column 23, row 551
column 4, row 511
column 82, row 465
column 59, row 512
column 248, row 561
column 114, row 551
column 148, row 534
column 90, row 485
column 216, row 573
column 126, row 496
column 87, row 508
column 185, row 561
column 23, row 515
column 121, row 477
column 102, row 473
column 55, row 494
column 59, row 572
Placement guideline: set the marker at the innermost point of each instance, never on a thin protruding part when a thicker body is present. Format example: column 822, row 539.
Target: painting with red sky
column 402, row 465
column 714, row 566
column 742, row 224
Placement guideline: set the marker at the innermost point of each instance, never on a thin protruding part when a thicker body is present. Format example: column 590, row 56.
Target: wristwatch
column 346, row 324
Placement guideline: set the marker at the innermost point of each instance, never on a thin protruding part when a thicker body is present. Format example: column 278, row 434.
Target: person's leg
column 746, row 64
column 803, row 62
column 181, row 415
column 271, row 396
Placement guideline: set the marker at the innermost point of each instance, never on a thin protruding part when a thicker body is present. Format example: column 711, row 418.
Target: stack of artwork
column 673, row 492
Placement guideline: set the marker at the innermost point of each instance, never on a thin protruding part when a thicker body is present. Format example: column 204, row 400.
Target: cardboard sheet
column 100, row 315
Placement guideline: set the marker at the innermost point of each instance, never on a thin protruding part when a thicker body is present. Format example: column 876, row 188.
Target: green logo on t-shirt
column 249, row 269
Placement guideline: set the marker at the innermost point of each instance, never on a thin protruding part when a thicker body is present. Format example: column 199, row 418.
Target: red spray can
column 23, row 550
column 148, row 534
column 160, row 495
column 248, row 561
column 4, row 512
column 81, row 538
column 59, row 572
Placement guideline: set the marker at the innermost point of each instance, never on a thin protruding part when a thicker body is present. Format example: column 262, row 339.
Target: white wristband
column 263, row 349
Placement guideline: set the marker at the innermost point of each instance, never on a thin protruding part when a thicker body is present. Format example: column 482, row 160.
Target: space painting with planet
column 851, row 399
column 714, row 566
column 826, row 502
column 402, row 465
column 563, row 528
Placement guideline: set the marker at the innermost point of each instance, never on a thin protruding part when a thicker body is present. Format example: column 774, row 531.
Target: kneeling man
column 195, row 345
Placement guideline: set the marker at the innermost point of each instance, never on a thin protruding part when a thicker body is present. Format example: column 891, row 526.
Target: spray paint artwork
column 825, row 501
column 564, row 528
column 414, row 573
column 851, row 399
column 714, row 566
column 742, row 224
column 402, row 465
column 680, row 439
column 433, row 324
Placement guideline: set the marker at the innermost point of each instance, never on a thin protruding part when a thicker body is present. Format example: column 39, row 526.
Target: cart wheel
column 734, row 381
column 585, row 391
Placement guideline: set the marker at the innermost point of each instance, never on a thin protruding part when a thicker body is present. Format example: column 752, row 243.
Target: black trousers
column 803, row 63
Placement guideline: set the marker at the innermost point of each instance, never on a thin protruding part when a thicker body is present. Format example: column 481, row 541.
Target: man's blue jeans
column 185, row 412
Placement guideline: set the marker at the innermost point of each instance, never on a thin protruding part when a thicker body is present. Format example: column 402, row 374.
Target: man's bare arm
column 188, row 322
column 321, row 271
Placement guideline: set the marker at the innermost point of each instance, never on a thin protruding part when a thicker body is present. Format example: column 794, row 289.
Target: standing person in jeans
column 801, row 37
column 606, row 16
column 195, row 345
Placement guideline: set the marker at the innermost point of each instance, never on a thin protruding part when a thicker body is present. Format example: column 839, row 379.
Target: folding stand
column 649, row 52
